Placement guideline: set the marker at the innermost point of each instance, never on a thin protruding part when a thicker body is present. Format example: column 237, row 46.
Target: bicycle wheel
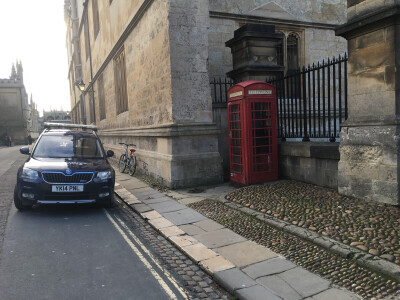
column 122, row 163
column 132, row 165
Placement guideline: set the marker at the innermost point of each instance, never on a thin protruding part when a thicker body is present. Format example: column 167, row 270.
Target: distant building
column 34, row 126
column 18, row 118
column 57, row 116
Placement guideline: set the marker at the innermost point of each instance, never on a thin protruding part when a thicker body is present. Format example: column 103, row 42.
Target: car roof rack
column 49, row 125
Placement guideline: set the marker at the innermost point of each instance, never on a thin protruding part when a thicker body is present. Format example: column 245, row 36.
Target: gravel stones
column 340, row 271
column 371, row 227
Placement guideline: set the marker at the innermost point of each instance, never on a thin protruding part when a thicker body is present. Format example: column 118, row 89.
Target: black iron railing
column 311, row 103
column 219, row 89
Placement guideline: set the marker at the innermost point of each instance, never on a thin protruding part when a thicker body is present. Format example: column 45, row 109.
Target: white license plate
column 67, row 188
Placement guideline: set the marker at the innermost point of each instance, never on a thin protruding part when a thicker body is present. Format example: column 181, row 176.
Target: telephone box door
column 236, row 141
column 262, row 141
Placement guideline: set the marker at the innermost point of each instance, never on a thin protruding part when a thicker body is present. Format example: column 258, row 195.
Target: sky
column 33, row 32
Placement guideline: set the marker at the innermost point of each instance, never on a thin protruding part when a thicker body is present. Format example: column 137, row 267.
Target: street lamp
column 81, row 86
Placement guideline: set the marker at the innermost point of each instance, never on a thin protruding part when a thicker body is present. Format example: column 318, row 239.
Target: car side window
column 87, row 147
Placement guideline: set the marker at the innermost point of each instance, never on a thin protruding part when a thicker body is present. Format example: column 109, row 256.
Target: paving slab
column 133, row 183
column 268, row 267
column 156, row 200
column 137, row 190
column 183, row 241
column 208, row 225
column 335, row 294
column 219, row 238
column 184, row 216
column 175, row 195
column 245, row 253
column 190, row 200
column 234, row 279
column 151, row 215
column 160, row 223
column 122, row 179
column 191, row 229
column 123, row 191
column 172, row 231
column 256, row 293
column 148, row 194
column 167, row 206
column 304, row 282
column 199, row 252
column 132, row 200
column 216, row 264
column 279, row 287
column 141, row 208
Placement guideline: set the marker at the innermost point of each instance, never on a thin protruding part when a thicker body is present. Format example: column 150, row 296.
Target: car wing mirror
column 24, row 150
column 110, row 153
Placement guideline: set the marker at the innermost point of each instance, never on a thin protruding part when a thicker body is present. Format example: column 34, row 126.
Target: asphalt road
column 73, row 252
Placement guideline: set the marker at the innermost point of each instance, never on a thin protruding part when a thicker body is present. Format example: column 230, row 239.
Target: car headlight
column 29, row 175
column 102, row 176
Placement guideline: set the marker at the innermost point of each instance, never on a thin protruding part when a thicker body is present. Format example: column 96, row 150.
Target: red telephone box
column 253, row 143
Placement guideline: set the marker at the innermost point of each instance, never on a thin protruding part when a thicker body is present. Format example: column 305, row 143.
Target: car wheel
column 18, row 202
column 108, row 203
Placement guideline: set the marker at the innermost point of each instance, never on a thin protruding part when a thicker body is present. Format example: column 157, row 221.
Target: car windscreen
column 68, row 146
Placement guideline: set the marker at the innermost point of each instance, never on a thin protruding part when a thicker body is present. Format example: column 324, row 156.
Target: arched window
column 288, row 52
column 292, row 47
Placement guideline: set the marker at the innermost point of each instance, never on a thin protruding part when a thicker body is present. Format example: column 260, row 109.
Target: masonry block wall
column 315, row 163
column 313, row 21
column 369, row 147
column 169, row 113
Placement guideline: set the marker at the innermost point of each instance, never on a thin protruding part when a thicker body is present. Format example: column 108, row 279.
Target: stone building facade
column 34, row 124
column 60, row 116
column 146, row 66
column 369, row 149
column 308, row 27
column 18, row 117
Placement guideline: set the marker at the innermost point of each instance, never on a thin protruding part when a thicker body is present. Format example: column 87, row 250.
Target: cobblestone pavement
column 197, row 283
column 368, row 226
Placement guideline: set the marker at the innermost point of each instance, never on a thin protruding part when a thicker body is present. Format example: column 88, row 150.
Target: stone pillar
column 369, row 141
column 192, row 141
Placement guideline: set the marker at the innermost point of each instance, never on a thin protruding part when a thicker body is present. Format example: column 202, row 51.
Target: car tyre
column 18, row 202
column 108, row 203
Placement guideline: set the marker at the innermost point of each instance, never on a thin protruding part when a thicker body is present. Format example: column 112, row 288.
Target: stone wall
column 369, row 147
column 169, row 115
column 315, row 163
column 322, row 44
column 189, row 22
column 324, row 11
column 312, row 20
column 14, row 105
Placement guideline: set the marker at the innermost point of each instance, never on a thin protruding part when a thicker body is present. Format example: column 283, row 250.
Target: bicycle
column 127, row 160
